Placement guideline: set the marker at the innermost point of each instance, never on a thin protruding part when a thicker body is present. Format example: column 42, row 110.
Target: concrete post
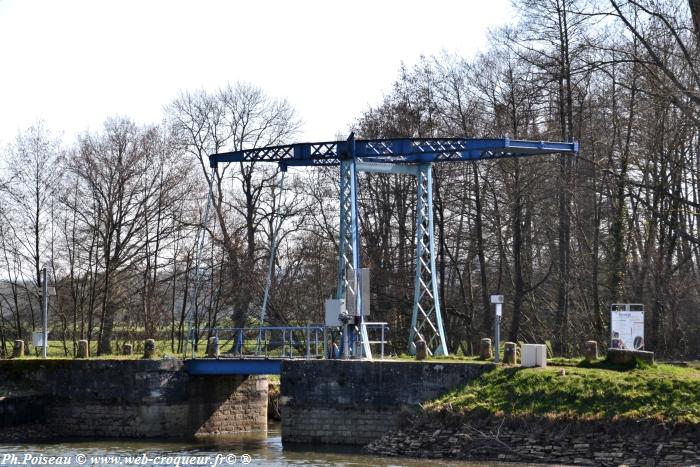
column 18, row 349
column 213, row 347
column 127, row 349
column 591, row 350
column 421, row 350
column 149, row 348
column 510, row 353
column 83, row 349
column 485, row 349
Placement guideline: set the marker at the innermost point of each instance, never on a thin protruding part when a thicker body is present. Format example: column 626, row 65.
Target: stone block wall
column 232, row 404
column 134, row 398
column 356, row 402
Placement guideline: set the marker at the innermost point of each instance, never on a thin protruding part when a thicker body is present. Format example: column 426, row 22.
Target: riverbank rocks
column 83, row 349
column 149, row 348
column 538, row 440
column 18, row 349
column 628, row 357
column 485, row 351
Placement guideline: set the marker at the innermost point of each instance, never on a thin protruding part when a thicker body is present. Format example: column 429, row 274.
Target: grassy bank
column 596, row 391
column 57, row 350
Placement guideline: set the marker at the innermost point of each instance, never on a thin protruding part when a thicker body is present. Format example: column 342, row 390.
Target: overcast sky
column 75, row 63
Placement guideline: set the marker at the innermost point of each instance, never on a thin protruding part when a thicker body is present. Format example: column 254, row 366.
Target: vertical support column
column 345, row 241
column 426, row 320
column 349, row 283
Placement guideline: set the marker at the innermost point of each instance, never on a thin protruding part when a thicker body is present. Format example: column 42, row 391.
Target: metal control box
column 38, row 338
column 334, row 308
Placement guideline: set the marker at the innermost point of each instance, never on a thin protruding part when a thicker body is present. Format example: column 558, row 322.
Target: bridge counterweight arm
column 397, row 151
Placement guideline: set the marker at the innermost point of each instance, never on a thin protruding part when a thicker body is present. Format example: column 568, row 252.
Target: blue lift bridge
column 409, row 156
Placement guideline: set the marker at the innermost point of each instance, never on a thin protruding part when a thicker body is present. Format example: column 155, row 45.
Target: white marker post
column 45, row 312
column 498, row 301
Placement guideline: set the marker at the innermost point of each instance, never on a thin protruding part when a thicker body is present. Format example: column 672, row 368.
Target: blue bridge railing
column 285, row 342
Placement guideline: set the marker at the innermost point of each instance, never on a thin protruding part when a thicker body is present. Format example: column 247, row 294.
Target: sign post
column 498, row 301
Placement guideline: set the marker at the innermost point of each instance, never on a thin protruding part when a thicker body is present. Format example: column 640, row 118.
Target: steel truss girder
column 399, row 151
column 426, row 318
column 349, row 283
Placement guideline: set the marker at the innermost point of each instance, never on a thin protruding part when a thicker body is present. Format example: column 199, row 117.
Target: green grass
column 163, row 349
column 56, row 351
column 659, row 392
column 444, row 358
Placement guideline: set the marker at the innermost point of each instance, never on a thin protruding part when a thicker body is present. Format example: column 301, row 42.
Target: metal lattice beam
column 426, row 319
column 398, row 151
column 349, row 283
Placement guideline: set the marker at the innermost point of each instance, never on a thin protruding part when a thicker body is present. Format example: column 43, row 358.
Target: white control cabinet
column 534, row 355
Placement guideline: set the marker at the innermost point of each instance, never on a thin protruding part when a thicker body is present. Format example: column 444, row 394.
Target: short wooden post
column 485, row 352
column 83, row 349
column 510, row 353
column 149, row 348
column 127, row 349
column 18, row 349
column 591, row 348
column 421, row 350
column 213, row 347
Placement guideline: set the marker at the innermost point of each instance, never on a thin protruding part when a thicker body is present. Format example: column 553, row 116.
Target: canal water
column 251, row 449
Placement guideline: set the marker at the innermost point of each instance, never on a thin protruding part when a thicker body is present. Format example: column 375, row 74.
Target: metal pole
column 497, row 324
column 45, row 311
column 308, row 341
column 326, row 347
column 346, row 345
column 382, row 342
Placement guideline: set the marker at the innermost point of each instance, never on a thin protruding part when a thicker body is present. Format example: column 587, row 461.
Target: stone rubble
column 543, row 441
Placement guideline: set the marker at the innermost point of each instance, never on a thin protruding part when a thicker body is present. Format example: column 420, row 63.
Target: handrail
column 309, row 341
column 271, row 338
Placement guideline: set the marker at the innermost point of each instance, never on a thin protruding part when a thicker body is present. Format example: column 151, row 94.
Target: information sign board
column 627, row 329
